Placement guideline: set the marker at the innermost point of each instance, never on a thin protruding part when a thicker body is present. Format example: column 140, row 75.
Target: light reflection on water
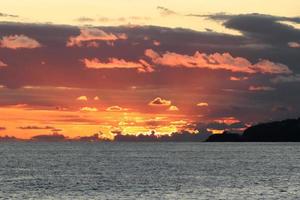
column 149, row 170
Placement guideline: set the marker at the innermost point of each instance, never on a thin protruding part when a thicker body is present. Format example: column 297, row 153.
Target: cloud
column 96, row 98
column 8, row 15
column 216, row 61
column 88, row 109
column 123, row 19
column 165, row 11
column 156, row 43
column 36, row 127
column 82, row 98
column 235, row 78
column 55, row 130
column 294, row 44
column 268, row 67
column 281, row 109
column 19, row 42
column 227, row 120
column 259, row 26
column 49, row 138
column 202, row 104
column 115, row 63
column 182, row 41
column 89, row 37
column 2, row 64
column 64, row 69
column 173, row 108
column 261, row 88
column 2, row 128
column 116, row 109
column 219, row 126
column 85, row 19
column 286, row 79
column 251, row 16
column 160, row 102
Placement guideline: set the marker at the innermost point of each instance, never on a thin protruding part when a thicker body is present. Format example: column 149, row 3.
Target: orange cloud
column 179, row 123
column 2, row 64
column 116, row 109
column 202, row 104
column 268, row 67
column 215, row 131
column 89, row 109
column 19, row 42
column 96, row 98
column 82, row 98
column 261, row 88
column 156, row 43
column 234, row 78
column 173, row 108
column 89, row 36
column 115, row 63
column 227, row 120
column 160, row 102
column 216, row 61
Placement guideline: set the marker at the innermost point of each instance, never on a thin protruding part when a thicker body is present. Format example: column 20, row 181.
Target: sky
column 133, row 66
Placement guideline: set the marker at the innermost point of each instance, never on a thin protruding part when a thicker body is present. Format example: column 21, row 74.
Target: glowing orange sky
column 120, row 12
column 136, row 66
column 24, row 121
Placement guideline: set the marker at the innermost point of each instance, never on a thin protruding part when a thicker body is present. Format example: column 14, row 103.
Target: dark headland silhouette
column 279, row 131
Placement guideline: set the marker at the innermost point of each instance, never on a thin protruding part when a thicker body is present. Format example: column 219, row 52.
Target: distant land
column 279, row 131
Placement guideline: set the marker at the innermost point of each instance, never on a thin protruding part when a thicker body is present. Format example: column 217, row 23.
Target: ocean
column 130, row 171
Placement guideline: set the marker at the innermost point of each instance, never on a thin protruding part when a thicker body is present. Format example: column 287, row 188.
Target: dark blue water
column 149, row 171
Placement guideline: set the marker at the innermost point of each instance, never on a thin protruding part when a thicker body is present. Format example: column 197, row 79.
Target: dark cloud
column 8, row 15
column 183, row 136
column 59, row 61
column 2, row 128
column 270, row 35
column 55, row 130
column 49, row 138
column 56, row 65
column 166, row 11
column 36, row 128
column 286, row 79
column 282, row 109
column 266, row 28
column 225, row 17
column 207, row 128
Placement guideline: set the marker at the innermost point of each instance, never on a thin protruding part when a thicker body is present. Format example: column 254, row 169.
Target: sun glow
column 85, row 122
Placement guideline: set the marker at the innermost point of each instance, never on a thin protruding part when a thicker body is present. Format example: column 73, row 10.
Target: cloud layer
column 115, row 63
column 216, row 61
column 56, row 71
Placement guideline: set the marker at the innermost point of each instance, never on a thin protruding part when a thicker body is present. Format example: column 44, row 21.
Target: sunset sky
column 134, row 66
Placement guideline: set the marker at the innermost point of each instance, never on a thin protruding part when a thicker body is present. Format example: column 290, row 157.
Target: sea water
column 76, row 170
